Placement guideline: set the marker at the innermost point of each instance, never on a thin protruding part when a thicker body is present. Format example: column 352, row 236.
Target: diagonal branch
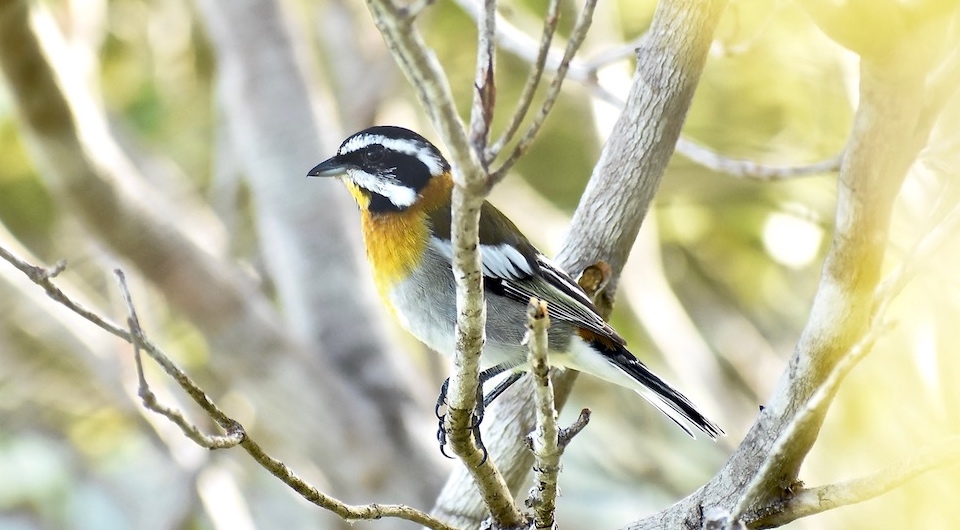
column 609, row 215
column 748, row 169
column 816, row 407
column 811, row 501
column 889, row 130
column 234, row 431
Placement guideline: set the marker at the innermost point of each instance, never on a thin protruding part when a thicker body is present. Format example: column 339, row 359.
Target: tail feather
column 618, row 361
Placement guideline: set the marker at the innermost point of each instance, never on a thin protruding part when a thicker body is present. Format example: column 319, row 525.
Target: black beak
column 331, row 167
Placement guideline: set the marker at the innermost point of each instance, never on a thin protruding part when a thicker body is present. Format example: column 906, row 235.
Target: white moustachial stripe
column 400, row 195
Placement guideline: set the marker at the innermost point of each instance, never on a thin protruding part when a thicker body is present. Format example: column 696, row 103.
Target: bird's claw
column 475, row 420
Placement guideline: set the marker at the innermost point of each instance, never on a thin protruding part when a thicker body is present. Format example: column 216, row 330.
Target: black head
column 387, row 165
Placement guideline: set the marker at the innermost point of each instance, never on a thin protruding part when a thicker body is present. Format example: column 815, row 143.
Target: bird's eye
column 374, row 153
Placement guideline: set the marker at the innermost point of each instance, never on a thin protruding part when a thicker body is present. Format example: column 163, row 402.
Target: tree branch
column 811, row 501
column 749, row 169
column 471, row 184
column 681, row 33
column 234, row 432
column 545, row 439
column 584, row 72
column 815, row 409
column 484, row 86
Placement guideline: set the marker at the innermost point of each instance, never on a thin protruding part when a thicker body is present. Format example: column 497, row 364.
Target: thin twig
column 577, row 36
column 807, row 415
column 545, row 439
column 484, row 87
column 233, row 429
column 514, row 41
column 550, row 23
column 810, row 501
column 566, row 435
column 42, row 276
column 748, row 169
column 614, row 54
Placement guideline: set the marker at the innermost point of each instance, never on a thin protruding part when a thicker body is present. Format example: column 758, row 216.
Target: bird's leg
column 482, row 402
column 501, row 387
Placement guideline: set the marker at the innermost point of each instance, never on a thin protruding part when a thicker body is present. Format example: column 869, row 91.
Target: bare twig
column 742, row 168
column 806, row 417
column 550, row 23
column 811, row 501
column 42, row 277
column 430, row 84
column 567, row 434
column 484, row 87
column 614, row 54
column 235, row 434
column 512, row 40
column 576, row 39
column 545, row 439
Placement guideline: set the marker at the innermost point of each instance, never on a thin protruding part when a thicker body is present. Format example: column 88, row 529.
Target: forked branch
column 233, row 432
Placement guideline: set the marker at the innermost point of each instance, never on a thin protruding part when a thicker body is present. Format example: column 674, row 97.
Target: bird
column 403, row 184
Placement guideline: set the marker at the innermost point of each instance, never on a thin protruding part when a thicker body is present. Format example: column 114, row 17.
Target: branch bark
column 545, row 438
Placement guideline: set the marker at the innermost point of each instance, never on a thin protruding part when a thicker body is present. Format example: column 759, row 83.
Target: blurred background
column 171, row 139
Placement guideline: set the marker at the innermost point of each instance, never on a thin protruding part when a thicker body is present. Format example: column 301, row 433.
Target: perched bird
column 402, row 184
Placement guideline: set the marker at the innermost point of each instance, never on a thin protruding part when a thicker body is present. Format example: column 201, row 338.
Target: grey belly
column 433, row 321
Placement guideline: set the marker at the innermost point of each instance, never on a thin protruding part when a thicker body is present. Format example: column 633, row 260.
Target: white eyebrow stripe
column 423, row 152
column 401, row 196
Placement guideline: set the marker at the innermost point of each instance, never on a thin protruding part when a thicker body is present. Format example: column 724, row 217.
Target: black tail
column 657, row 391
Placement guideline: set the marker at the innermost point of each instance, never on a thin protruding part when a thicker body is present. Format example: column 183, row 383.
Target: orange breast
column 395, row 241
column 394, row 245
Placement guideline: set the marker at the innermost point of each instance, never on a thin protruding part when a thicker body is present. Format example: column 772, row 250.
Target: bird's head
column 385, row 167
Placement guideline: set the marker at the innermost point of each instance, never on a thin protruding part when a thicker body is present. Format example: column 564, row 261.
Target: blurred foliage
column 75, row 452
